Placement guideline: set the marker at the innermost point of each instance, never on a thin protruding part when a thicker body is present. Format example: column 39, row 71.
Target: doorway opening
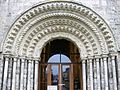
column 60, row 66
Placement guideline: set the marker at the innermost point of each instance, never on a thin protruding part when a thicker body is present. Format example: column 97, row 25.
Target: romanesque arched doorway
column 47, row 22
column 60, row 66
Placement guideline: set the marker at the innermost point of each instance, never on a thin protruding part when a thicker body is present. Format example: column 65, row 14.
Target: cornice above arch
column 94, row 28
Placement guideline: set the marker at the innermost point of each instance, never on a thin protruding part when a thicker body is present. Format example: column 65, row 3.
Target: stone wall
column 16, row 71
column 10, row 10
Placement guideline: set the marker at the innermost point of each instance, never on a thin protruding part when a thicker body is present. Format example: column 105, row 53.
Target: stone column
column 22, row 73
column 10, row 73
column 5, row 72
column 114, row 71
column 18, row 74
column 1, row 71
column 36, row 75
column 88, row 73
column 91, row 72
column 118, row 69
column 102, row 74
column 14, row 72
column 25, row 74
column 110, row 74
column 32, row 74
column 105, row 58
column 98, row 72
column 29, row 75
column 84, row 73
column 2, row 64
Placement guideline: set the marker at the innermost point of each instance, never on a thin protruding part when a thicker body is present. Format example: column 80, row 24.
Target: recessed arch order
column 59, row 19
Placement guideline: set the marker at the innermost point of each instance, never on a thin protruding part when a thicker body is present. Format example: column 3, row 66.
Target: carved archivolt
column 72, row 21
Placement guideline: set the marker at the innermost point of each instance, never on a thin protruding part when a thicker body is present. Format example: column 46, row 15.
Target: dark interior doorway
column 69, row 74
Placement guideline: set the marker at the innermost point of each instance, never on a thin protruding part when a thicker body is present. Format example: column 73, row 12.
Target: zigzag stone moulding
column 61, row 30
column 36, row 21
column 78, row 31
column 46, row 18
column 60, row 35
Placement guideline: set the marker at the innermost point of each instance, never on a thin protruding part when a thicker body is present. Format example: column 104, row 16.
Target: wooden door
column 60, row 75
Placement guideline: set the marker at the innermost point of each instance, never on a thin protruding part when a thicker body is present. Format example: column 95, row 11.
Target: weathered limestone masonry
column 27, row 25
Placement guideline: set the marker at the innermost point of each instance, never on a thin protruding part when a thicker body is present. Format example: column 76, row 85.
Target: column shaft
column 22, row 73
column 88, row 74
column 25, row 75
column 2, row 72
column 106, row 73
column 118, row 70
column 84, row 74
column 32, row 68
column 98, row 74
column 102, row 74
column 29, row 75
column 110, row 74
column 5, row 73
column 14, row 72
column 114, row 72
column 10, row 74
column 91, row 75
column 36, row 75
column 18, row 74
